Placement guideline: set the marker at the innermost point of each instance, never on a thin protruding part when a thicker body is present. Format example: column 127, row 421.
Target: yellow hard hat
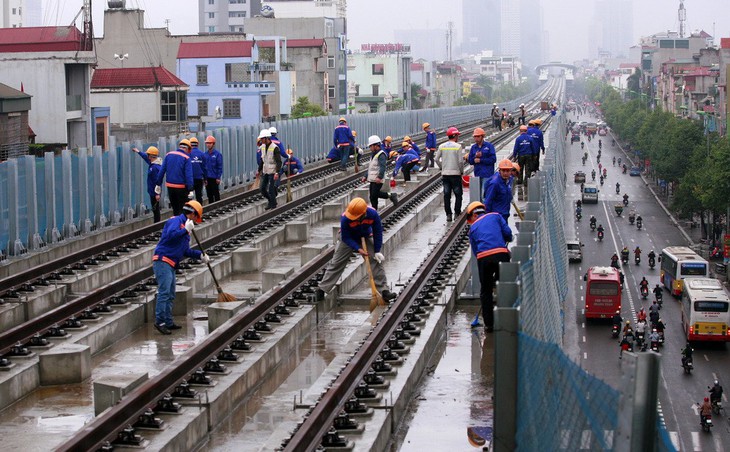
column 405, row 144
column 426, row 125
column 153, row 151
column 393, row 154
column 356, row 209
column 193, row 140
column 342, row 120
column 184, row 142
column 523, row 128
column 354, row 133
column 407, row 138
column 388, row 139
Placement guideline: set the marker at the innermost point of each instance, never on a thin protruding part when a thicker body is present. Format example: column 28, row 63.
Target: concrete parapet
column 220, row 313
column 310, row 251
column 183, row 299
column 18, row 382
column 363, row 193
column 297, row 231
column 333, row 210
column 11, row 314
column 65, row 364
column 272, row 277
column 109, row 390
column 246, row 259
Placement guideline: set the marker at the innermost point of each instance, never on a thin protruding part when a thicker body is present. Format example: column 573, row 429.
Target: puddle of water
column 459, row 388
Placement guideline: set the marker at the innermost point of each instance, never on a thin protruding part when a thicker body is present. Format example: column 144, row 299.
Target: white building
column 225, row 16
column 53, row 64
column 20, row 13
column 308, row 8
column 377, row 79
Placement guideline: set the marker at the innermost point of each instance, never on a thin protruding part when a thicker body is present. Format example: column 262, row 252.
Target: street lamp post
column 121, row 58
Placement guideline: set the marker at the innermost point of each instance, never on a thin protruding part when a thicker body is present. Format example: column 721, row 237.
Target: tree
column 304, row 108
column 416, row 97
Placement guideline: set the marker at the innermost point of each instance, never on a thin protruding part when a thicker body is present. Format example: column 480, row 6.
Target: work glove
column 379, row 257
column 360, row 151
column 205, row 258
column 158, row 189
column 190, row 225
column 191, row 195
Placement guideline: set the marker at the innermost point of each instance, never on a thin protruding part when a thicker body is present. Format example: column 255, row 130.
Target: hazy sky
column 371, row 21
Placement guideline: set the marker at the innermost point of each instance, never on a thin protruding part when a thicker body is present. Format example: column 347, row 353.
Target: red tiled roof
column 416, row 66
column 40, row 39
column 224, row 49
column 294, row 43
column 137, row 77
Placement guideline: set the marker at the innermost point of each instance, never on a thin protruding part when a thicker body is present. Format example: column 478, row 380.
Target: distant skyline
column 568, row 22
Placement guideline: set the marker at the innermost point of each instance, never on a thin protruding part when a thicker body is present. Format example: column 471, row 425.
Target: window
column 14, row 11
column 202, row 107
column 357, row 90
column 211, row 2
column 237, row 14
column 211, row 29
column 376, row 90
column 231, row 108
column 236, row 2
column 330, row 62
column 202, row 72
column 378, row 69
column 603, row 289
column 331, row 91
column 169, row 106
column 235, row 29
column 211, row 15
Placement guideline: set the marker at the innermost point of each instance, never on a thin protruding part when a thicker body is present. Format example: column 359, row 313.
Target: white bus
column 679, row 262
column 705, row 315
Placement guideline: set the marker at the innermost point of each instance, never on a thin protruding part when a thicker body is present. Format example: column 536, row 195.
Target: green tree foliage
column 303, row 108
column 471, row 99
column 416, row 98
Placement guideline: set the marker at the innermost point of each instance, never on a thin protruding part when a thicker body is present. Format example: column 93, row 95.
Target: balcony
column 262, row 87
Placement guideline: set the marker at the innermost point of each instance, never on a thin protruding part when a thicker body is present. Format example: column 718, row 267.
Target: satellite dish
column 267, row 11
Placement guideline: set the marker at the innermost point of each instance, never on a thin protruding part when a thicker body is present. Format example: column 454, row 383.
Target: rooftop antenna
column 682, row 15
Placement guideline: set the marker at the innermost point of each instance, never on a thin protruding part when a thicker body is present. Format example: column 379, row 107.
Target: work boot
column 394, row 199
column 449, row 218
column 389, row 296
column 162, row 328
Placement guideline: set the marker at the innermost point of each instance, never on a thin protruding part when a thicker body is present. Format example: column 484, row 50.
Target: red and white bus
column 603, row 292
column 705, row 310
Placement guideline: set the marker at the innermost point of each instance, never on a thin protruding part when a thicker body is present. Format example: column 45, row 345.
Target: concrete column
column 109, row 390
column 273, row 276
column 65, row 364
column 506, row 326
column 246, row 259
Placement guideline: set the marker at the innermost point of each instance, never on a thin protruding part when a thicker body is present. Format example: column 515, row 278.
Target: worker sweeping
column 173, row 246
column 498, row 189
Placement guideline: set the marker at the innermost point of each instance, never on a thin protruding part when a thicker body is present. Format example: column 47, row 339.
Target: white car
column 575, row 252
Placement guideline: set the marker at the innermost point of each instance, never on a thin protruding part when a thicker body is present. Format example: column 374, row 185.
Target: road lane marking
column 696, row 442
column 706, row 358
column 585, row 355
column 583, row 325
column 584, row 338
column 674, row 437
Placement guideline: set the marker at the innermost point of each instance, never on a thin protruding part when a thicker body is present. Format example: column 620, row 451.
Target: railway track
column 110, row 426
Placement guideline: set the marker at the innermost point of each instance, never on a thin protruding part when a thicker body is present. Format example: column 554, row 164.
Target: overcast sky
column 371, row 21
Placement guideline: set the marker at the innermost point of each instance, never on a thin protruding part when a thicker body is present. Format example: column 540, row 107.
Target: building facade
column 378, row 79
column 20, row 13
column 225, row 16
column 53, row 64
column 292, row 9
column 482, row 26
column 14, row 131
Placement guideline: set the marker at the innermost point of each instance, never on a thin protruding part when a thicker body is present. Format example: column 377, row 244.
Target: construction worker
column 334, row 155
column 376, row 173
column 179, row 181
column 498, row 189
column 430, row 147
column 523, row 152
column 344, row 141
column 277, row 141
column 269, row 168
column 405, row 161
column 152, row 157
column 488, row 237
column 449, row 158
column 213, row 170
column 523, row 114
column 173, row 246
column 496, row 117
column 413, row 144
column 292, row 165
column 357, row 222
column 387, row 144
column 483, row 156
column 534, row 131
column 197, row 158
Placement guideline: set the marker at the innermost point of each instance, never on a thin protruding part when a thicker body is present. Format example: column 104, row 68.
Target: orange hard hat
column 393, row 154
column 388, row 139
column 153, row 151
column 184, row 142
column 426, row 125
column 523, row 128
column 407, row 138
column 505, row 164
column 516, row 166
column 210, row 139
column 356, row 209
column 405, row 144
column 194, row 207
column 478, row 132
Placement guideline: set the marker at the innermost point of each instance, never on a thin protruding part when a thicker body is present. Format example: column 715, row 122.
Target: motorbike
column 584, row 161
column 640, row 341
column 637, row 259
column 605, row 173
column 659, row 298
column 614, row 161
column 707, row 423
column 626, row 200
column 661, row 338
column 716, row 253
column 688, row 365
column 625, row 168
column 655, row 346
column 593, row 175
column 615, row 330
column 624, row 259
column 618, row 189
column 638, row 224
column 632, row 217
column 716, row 405
column 593, row 227
column 601, row 181
column 600, row 236
column 644, row 292
column 652, row 262
column 582, row 145
column 578, row 215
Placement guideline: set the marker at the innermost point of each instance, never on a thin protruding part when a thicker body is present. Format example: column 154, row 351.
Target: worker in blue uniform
column 498, row 190
column 173, row 246
column 488, row 237
column 177, row 171
column 482, row 156
column 523, row 152
column 291, row 165
column 344, row 141
column 334, row 155
column 153, row 160
column 430, row 146
column 534, row 131
column 213, row 170
column 404, row 161
column 197, row 160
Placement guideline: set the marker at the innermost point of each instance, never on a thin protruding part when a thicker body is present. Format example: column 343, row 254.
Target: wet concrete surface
column 455, row 394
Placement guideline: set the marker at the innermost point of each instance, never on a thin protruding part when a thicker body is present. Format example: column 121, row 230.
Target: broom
column 222, row 296
column 376, row 299
column 289, row 196
column 519, row 212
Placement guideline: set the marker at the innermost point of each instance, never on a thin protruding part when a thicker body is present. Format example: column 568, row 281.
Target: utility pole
column 682, row 16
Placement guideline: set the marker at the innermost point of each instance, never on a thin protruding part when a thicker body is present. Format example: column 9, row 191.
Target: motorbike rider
column 621, row 277
column 614, row 160
column 652, row 257
column 627, row 328
column 654, row 337
column 617, row 320
column 641, row 315
column 624, row 168
column 593, row 222
column 637, row 252
column 593, row 174
column 659, row 325
column 626, row 198
column 640, row 330
column 605, row 172
column 614, row 258
column 624, row 345
column 632, row 216
column 686, row 354
column 644, row 284
column 601, row 179
column 638, row 220
column 625, row 254
column 658, row 292
column 599, row 143
column 618, row 188
column 716, row 393
column 600, row 228
column 705, row 410
column 582, row 144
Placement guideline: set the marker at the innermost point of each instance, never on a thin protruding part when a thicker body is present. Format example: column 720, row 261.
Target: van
column 575, row 253
column 590, row 194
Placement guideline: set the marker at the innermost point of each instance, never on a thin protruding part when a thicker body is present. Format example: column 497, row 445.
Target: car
column 590, row 194
column 575, row 252
column 635, row 171
column 574, row 138
column 579, row 177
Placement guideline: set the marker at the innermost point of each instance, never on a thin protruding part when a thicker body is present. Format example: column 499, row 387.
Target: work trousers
column 344, row 155
column 406, row 169
column 488, row 275
column 429, row 161
column 452, row 184
column 198, row 188
column 376, row 193
column 155, row 207
column 213, row 190
column 165, row 275
column 521, row 120
column 525, row 162
column 178, row 198
column 268, row 189
column 339, row 261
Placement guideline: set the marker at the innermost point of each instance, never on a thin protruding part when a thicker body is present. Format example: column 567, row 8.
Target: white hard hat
column 522, row 105
column 494, row 104
column 373, row 139
column 264, row 134
column 272, row 130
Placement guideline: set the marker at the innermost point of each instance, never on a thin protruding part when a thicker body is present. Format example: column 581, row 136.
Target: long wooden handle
column 217, row 286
